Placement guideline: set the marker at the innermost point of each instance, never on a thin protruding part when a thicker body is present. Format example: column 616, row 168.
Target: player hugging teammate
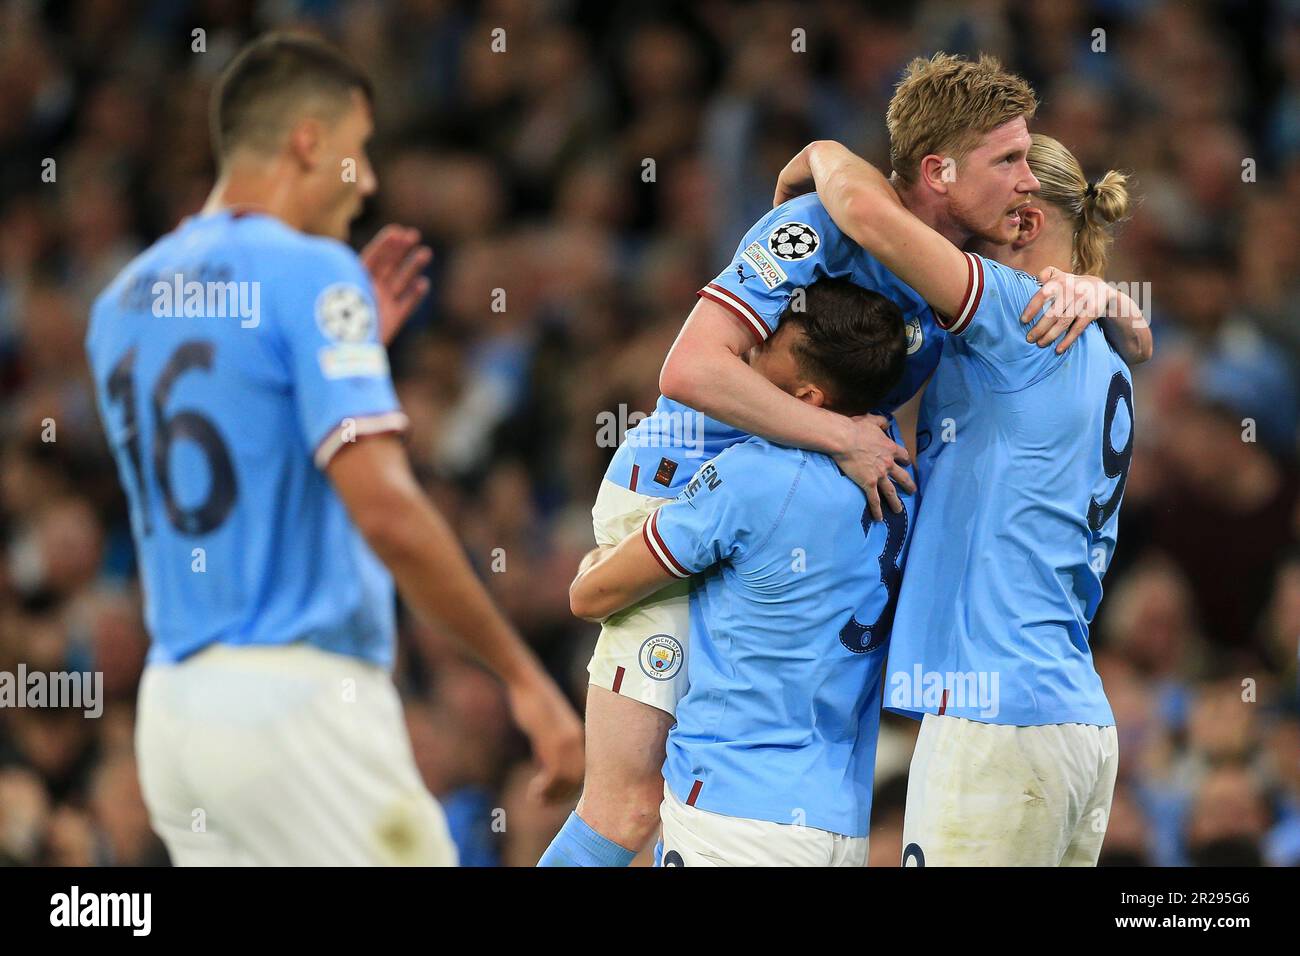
column 752, row 573
column 697, row 674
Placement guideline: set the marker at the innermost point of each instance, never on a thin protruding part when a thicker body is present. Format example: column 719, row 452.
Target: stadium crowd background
column 525, row 169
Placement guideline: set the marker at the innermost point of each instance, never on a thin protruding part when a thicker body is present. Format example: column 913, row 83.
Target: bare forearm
column 736, row 394
column 1128, row 329
column 436, row 580
column 590, row 597
column 847, row 186
column 611, row 579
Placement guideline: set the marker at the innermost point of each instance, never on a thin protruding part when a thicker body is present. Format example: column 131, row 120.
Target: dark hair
column 853, row 346
column 256, row 95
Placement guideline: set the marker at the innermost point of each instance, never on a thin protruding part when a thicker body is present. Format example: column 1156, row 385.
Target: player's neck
column 932, row 209
column 1038, row 255
column 258, row 187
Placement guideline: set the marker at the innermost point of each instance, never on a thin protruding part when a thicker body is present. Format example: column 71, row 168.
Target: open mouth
column 1013, row 217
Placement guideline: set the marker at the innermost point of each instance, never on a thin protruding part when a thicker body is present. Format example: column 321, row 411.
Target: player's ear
column 810, row 393
column 305, row 138
column 1032, row 220
column 937, row 172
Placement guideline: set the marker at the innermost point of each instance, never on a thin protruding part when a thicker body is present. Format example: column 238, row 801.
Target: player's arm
column 706, row 370
column 1068, row 301
column 611, row 579
column 325, row 330
column 867, row 209
column 373, row 478
column 723, row 509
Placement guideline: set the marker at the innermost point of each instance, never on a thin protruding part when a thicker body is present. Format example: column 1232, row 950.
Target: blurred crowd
column 597, row 161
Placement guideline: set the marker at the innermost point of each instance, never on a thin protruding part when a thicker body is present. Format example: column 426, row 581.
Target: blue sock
column 579, row 845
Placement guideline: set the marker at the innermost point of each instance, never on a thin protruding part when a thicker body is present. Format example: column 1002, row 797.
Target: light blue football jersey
column 790, row 617
column 791, row 247
column 231, row 360
column 1022, row 459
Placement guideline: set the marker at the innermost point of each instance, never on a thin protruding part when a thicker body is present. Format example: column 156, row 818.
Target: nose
column 1031, row 183
column 368, row 182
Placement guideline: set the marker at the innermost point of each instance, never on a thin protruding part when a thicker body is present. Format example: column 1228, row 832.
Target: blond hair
column 1090, row 208
column 943, row 106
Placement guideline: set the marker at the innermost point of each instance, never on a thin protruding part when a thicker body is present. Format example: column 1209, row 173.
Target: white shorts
column 996, row 795
column 283, row 756
column 695, row 837
column 641, row 651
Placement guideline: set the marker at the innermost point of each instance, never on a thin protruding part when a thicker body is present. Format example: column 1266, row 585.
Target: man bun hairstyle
column 1092, row 208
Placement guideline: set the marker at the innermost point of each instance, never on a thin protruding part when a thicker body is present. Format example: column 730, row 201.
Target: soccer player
column 637, row 672
column 1023, row 457
column 967, row 122
column 771, row 760
column 272, row 504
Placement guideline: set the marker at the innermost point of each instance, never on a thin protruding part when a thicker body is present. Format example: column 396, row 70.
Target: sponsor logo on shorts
column 661, row 657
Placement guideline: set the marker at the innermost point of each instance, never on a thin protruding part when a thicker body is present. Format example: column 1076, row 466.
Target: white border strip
column 369, row 425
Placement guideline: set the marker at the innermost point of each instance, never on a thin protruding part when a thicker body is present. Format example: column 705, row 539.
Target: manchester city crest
column 661, row 657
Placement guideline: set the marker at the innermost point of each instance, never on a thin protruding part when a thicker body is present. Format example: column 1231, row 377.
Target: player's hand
column 1072, row 302
column 396, row 260
column 877, row 464
column 554, row 730
column 796, row 179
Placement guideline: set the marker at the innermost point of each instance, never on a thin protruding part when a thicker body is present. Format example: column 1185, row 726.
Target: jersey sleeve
column 726, row 511
column 789, row 248
column 328, row 325
column 988, row 322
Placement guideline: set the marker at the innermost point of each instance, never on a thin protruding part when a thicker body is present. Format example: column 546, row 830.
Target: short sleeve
column 789, row 248
column 328, row 325
column 988, row 322
column 725, row 512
